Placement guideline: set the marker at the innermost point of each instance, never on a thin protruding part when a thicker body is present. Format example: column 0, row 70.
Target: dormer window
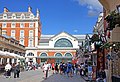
column 4, row 16
column 13, row 16
column 31, row 16
column 22, row 16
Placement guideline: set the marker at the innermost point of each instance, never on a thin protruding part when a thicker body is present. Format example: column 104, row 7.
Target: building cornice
column 35, row 48
column 19, row 20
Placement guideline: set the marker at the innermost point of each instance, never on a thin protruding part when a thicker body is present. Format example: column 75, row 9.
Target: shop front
column 53, row 59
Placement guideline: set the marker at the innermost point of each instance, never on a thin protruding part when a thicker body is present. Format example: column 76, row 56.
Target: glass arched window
column 31, row 16
column 13, row 16
column 22, row 16
column 58, row 54
column 68, row 55
column 30, row 54
column 4, row 16
column 63, row 42
column 43, row 54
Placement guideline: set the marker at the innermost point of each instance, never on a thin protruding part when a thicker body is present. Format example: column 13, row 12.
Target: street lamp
column 109, row 65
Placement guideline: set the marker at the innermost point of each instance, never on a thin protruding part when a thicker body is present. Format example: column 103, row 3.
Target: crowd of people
column 15, row 68
column 68, row 69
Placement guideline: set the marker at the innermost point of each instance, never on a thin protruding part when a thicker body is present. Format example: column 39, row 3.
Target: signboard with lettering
column 89, row 72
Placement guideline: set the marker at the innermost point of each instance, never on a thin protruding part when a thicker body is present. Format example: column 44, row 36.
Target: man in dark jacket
column 101, row 75
column 17, row 70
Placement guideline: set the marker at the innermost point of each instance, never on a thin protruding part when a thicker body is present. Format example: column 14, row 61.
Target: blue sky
column 72, row 16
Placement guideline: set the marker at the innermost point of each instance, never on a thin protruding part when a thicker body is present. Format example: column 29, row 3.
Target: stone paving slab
column 37, row 76
column 64, row 78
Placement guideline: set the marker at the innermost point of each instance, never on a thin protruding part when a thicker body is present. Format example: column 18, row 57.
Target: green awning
column 106, row 45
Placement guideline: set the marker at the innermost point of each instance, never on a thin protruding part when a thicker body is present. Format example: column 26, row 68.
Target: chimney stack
column 38, row 13
column 5, row 10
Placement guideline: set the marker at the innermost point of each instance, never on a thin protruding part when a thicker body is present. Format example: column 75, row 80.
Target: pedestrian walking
column 53, row 68
column 69, row 69
column 46, row 68
column 76, row 68
column 17, row 70
column 61, row 68
column 8, row 70
column 65, row 68
column 56, row 68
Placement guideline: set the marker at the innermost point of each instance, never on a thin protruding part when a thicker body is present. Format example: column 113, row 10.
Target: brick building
column 57, row 48
column 22, row 26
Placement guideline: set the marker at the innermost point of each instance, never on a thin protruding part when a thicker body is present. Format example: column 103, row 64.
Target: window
column 58, row 54
column 31, row 16
column 21, row 33
column 4, row 32
column 30, row 54
column 31, row 25
column 13, row 16
column 30, row 43
column 43, row 54
column 4, row 16
column 31, row 33
column 13, row 33
column 22, row 41
column 12, row 25
column 21, row 25
column 68, row 55
column 63, row 42
column 4, row 25
column 22, row 16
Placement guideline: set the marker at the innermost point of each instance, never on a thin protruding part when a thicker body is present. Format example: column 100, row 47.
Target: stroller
column 7, row 73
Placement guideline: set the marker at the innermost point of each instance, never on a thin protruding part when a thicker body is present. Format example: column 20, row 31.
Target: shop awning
column 9, row 55
column 16, row 55
column 2, row 53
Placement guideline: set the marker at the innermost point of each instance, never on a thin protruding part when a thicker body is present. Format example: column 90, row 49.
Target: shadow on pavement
column 63, row 78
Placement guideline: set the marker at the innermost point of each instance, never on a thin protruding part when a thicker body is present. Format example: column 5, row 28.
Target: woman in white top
column 8, row 70
column 45, row 68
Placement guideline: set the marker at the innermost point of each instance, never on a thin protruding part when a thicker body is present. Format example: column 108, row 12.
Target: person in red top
column 53, row 67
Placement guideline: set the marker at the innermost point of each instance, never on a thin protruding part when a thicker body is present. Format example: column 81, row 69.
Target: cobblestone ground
column 37, row 76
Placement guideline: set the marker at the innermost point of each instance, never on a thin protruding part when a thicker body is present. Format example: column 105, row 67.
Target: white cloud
column 76, row 31
column 92, row 13
column 94, row 6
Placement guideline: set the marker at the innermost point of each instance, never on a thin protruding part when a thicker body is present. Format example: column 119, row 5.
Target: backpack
column 69, row 66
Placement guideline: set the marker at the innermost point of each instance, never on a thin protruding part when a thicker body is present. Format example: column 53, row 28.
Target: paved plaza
column 37, row 76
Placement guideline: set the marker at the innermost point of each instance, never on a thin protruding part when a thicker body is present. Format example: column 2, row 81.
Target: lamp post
column 0, row 30
column 80, row 53
column 110, row 66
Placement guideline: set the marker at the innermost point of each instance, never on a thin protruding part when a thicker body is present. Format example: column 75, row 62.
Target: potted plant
column 113, row 19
